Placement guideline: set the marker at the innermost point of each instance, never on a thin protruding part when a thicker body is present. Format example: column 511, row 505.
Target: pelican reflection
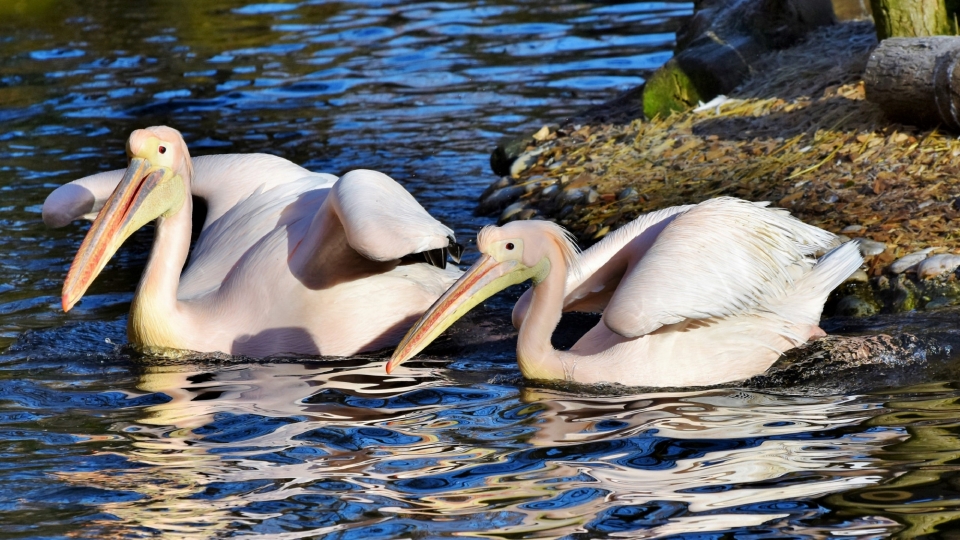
column 312, row 448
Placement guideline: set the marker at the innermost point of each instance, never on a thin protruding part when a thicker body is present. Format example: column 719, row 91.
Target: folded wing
column 601, row 267
column 722, row 257
column 383, row 222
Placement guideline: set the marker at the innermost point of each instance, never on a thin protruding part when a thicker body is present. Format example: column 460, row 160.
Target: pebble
column 938, row 264
column 860, row 276
column 542, row 134
column 843, row 238
column 938, row 302
column 526, row 160
column 527, row 214
column 503, row 182
column 627, row 194
column 870, row 248
column 500, row 198
column 908, row 262
column 571, row 195
column 852, row 306
column 511, row 211
column 592, row 196
column 849, row 229
column 549, row 191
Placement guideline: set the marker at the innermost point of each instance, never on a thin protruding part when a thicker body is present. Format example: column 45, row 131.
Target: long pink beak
column 482, row 280
column 106, row 234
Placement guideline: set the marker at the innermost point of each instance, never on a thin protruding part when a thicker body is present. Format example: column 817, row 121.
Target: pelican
column 691, row 295
column 288, row 261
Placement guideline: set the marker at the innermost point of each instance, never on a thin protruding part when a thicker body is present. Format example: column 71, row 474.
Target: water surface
column 100, row 442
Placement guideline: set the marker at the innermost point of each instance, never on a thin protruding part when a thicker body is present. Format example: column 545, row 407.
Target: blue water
column 99, row 442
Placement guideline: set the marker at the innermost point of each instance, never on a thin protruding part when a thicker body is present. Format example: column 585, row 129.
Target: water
column 99, row 442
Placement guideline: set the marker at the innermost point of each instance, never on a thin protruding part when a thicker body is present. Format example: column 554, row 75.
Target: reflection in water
column 925, row 496
column 309, row 449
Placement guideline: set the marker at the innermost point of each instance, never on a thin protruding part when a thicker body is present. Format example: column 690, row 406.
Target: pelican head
column 153, row 186
column 509, row 255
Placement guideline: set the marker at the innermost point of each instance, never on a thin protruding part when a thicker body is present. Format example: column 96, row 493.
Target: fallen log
column 915, row 81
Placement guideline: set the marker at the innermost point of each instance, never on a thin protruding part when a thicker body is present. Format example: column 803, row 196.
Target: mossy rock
column 853, row 299
column 670, row 89
column 940, row 291
column 899, row 294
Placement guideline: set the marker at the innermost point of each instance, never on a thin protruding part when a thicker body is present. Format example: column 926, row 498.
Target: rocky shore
column 797, row 132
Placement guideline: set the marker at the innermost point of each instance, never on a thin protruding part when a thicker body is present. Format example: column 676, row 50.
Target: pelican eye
column 509, row 246
column 162, row 149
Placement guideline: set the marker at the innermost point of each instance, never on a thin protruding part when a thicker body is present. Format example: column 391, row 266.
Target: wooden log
column 914, row 18
column 915, row 81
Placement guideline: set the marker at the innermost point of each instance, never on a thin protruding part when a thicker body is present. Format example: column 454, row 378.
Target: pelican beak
column 145, row 193
column 484, row 279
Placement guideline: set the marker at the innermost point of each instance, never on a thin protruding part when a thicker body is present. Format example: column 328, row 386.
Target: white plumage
column 691, row 295
column 288, row 261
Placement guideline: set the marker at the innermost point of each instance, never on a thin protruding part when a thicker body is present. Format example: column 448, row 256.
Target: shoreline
column 798, row 133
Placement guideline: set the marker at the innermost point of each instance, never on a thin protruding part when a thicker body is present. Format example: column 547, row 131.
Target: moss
column 854, row 306
column 853, row 299
column 914, row 18
column 940, row 292
column 899, row 294
column 893, row 294
column 668, row 90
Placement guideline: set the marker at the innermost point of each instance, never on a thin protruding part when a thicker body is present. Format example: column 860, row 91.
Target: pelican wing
column 383, row 222
column 722, row 257
column 601, row 266
column 367, row 225
column 224, row 180
column 80, row 199
column 221, row 181
column 291, row 205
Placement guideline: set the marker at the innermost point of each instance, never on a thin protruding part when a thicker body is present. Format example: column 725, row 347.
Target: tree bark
column 914, row 18
column 916, row 81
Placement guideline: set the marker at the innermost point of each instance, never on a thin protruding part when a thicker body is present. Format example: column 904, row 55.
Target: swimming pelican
column 289, row 261
column 691, row 295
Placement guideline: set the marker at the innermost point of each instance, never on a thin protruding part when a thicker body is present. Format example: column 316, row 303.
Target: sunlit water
column 98, row 442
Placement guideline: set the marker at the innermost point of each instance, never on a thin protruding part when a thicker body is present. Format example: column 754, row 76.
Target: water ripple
column 99, row 441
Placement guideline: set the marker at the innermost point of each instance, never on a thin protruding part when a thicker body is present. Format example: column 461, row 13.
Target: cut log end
column 915, row 81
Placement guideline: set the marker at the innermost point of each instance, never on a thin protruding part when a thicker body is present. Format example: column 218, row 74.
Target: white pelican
column 691, row 295
column 289, row 261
